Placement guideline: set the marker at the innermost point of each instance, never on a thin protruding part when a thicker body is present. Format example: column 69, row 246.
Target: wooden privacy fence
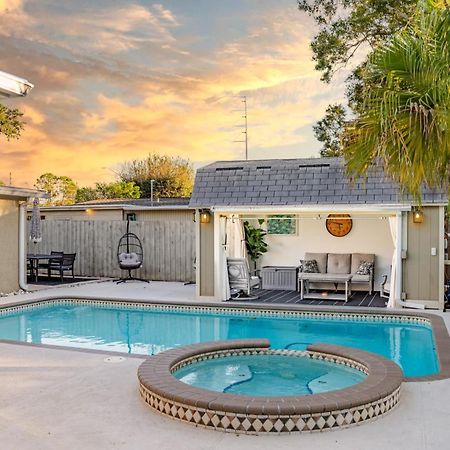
column 169, row 247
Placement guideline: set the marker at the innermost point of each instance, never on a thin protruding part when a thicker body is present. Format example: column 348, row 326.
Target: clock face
column 339, row 225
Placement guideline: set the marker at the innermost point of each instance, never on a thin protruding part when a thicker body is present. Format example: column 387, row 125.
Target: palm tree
column 405, row 122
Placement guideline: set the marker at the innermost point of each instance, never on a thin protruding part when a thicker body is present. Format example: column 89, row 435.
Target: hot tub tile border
column 375, row 406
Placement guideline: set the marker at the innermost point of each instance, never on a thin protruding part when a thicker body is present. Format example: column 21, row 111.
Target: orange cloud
column 92, row 113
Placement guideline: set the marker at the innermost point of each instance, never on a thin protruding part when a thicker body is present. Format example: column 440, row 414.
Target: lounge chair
column 241, row 279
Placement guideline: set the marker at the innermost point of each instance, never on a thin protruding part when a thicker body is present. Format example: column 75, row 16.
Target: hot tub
column 367, row 387
column 272, row 373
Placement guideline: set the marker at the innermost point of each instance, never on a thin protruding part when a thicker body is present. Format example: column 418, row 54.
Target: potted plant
column 254, row 240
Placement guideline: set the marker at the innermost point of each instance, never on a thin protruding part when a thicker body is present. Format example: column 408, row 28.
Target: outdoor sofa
column 343, row 263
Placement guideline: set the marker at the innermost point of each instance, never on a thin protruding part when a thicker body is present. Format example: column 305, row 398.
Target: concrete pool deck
column 61, row 399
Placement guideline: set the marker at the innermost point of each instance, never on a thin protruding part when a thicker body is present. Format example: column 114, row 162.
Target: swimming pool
column 150, row 329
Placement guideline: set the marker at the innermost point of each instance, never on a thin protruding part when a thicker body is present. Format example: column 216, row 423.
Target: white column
column 398, row 277
column 197, row 253
column 219, row 284
column 441, row 252
column 22, row 245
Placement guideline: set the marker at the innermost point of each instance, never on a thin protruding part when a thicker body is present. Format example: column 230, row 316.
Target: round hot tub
column 245, row 387
column 271, row 374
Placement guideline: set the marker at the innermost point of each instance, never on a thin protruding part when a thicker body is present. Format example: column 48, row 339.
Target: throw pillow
column 364, row 268
column 310, row 266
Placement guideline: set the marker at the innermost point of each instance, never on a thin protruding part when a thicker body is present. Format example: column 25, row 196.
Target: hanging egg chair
column 130, row 255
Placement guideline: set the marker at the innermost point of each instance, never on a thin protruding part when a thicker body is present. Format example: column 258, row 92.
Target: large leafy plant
column 405, row 123
column 254, row 240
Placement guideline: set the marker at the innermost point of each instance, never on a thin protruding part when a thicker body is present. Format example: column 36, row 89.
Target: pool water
column 148, row 331
column 269, row 375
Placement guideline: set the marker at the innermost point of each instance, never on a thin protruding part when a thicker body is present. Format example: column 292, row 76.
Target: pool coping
column 440, row 332
column 372, row 398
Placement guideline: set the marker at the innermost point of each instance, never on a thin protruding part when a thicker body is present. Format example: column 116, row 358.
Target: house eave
column 113, row 207
column 12, row 86
column 311, row 208
column 17, row 193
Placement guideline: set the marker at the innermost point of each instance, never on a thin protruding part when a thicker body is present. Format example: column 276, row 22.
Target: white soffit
column 12, row 86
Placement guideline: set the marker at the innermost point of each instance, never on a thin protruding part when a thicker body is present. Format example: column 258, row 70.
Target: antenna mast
column 245, row 125
column 244, row 100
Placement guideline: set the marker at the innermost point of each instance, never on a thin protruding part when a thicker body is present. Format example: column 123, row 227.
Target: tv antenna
column 244, row 125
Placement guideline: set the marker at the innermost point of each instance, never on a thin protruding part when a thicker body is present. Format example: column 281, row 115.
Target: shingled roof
column 296, row 182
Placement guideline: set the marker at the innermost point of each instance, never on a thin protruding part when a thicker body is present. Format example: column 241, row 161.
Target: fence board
column 168, row 246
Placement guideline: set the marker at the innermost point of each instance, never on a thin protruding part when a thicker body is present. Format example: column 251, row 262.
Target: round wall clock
column 339, row 225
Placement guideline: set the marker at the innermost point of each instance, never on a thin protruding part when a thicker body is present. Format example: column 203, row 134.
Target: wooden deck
column 292, row 297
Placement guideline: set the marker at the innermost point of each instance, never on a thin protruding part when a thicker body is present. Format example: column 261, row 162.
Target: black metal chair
column 130, row 255
column 65, row 264
column 54, row 263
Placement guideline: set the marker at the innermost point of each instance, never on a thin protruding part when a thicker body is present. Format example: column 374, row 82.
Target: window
column 131, row 217
column 282, row 224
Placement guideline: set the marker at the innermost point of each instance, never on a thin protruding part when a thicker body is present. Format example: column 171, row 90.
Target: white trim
column 197, row 252
column 12, row 86
column 218, row 279
column 312, row 208
column 114, row 207
column 399, row 261
column 24, row 193
column 441, row 252
column 22, row 246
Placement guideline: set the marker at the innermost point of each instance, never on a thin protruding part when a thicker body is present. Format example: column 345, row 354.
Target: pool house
column 310, row 210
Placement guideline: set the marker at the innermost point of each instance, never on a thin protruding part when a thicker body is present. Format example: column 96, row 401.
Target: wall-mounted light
column 418, row 216
column 89, row 211
column 205, row 216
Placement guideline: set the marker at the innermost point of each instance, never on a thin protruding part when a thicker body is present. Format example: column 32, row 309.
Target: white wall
column 368, row 235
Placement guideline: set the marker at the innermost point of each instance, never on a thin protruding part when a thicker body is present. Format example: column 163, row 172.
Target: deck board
column 292, row 297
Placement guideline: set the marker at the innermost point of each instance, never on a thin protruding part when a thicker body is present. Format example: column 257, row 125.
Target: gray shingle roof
column 290, row 182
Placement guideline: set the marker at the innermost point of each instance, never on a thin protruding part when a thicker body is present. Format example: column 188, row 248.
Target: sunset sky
column 117, row 79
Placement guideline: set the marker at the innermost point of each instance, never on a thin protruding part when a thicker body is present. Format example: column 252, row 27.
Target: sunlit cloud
column 10, row 6
column 142, row 83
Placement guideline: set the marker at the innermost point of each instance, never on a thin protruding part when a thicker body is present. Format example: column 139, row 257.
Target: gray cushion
column 360, row 278
column 321, row 259
column 358, row 258
column 338, row 263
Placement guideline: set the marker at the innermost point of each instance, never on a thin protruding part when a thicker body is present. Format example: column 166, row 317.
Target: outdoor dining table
column 34, row 262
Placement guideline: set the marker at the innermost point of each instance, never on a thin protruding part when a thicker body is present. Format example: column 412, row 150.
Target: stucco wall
column 9, row 245
column 368, row 235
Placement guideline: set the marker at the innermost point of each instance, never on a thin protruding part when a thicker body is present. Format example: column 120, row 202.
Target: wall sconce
column 417, row 215
column 205, row 216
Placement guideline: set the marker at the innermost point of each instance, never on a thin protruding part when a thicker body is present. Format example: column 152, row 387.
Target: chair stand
column 242, row 295
column 130, row 278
